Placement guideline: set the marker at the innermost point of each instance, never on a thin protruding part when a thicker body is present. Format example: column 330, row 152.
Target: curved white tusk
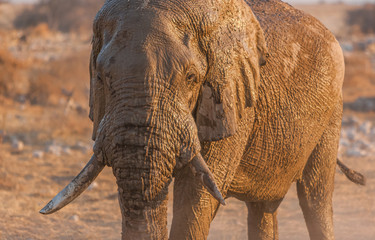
column 75, row 187
column 201, row 169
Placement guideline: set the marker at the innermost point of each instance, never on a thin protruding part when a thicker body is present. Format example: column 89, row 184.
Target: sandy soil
column 43, row 146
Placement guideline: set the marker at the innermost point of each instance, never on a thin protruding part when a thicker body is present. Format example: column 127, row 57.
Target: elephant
column 231, row 98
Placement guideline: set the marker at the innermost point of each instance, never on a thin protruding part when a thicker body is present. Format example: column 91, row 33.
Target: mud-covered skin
column 300, row 90
column 299, row 99
column 171, row 79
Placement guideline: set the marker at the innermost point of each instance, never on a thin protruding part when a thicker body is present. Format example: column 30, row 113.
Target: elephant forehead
column 143, row 13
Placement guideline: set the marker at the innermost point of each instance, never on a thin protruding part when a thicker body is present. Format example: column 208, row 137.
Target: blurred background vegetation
column 64, row 16
column 363, row 18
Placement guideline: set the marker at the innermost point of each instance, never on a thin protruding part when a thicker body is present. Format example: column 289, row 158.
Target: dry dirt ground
column 28, row 182
column 45, row 145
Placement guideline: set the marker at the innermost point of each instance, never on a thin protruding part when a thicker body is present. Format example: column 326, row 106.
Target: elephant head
column 165, row 76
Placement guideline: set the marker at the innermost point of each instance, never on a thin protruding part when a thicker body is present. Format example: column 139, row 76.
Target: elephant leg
column 315, row 188
column 262, row 220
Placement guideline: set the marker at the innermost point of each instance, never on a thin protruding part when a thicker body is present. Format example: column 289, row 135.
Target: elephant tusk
column 201, row 169
column 75, row 187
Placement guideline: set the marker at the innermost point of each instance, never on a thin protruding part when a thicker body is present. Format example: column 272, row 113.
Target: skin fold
column 253, row 87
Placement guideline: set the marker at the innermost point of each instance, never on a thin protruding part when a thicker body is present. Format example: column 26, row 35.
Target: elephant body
column 295, row 107
column 291, row 135
column 232, row 98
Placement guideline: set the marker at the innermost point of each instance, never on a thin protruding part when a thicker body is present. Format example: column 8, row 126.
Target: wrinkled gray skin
column 172, row 79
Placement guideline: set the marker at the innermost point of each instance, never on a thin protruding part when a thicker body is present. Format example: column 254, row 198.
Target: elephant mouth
column 141, row 141
column 94, row 167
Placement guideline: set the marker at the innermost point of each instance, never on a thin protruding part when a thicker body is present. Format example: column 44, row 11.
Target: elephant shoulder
column 299, row 41
column 279, row 19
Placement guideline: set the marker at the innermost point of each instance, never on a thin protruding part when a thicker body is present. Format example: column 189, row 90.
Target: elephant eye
column 105, row 80
column 99, row 78
column 192, row 77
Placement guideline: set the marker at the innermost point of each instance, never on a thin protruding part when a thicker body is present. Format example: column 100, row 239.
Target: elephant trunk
column 143, row 192
column 143, row 166
column 147, row 223
column 138, row 138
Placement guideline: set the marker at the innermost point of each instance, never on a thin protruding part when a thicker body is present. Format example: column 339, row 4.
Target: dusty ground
column 27, row 183
column 46, row 144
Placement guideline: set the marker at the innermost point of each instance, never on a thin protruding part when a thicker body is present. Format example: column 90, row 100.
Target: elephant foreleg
column 315, row 189
column 262, row 220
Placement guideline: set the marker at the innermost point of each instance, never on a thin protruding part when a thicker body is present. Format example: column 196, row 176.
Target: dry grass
column 45, row 84
column 65, row 16
column 62, row 78
column 13, row 79
column 41, row 30
column 362, row 19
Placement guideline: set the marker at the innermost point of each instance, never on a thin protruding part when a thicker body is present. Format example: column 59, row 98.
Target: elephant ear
column 97, row 94
column 236, row 50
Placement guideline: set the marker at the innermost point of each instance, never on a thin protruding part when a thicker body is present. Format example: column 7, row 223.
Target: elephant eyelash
column 103, row 81
column 192, row 78
column 191, row 75
column 99, row 78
